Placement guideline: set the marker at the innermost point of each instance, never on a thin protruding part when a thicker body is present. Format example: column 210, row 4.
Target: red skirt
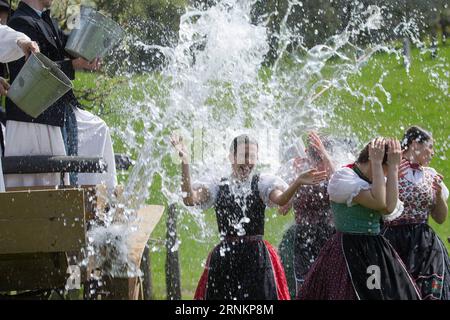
column 276, row 276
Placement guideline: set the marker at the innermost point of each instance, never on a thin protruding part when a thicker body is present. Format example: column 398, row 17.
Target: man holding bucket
column 64, row 128
column 13, row 45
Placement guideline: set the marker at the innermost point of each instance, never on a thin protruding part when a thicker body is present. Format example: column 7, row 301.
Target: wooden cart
column 43, row 236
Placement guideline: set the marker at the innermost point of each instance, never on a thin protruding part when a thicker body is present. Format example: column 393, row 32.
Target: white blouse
column 9, row 50
column 266, row 184
column 345, row 184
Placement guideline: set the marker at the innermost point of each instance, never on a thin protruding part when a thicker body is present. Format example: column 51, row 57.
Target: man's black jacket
column 51, row 40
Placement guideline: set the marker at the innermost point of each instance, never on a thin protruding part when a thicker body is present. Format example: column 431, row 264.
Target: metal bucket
column 38, row 85
column 94, row 35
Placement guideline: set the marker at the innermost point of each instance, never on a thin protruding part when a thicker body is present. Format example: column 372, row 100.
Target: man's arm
column 9, row 48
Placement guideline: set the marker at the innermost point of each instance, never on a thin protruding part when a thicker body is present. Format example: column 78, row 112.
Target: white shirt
column 266, row 184
column 9, row 50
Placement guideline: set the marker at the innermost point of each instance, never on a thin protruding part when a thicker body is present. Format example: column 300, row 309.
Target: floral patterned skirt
column 364, row 267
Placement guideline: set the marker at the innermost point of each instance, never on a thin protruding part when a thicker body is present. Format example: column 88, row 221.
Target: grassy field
column 414, row 100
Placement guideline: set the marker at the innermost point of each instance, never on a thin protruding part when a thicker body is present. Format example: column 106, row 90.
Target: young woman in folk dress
column 311, row 205
column 357, row 262
column 243, row 266
column 423, row 194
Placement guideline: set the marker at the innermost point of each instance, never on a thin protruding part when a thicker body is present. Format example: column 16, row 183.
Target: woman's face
column 423, row 152
column 245, row 160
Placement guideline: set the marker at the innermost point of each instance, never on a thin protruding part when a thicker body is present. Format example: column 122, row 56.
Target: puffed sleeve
column 212, row 186
column 344, row 185
column 267, row 184
column 445, row 192
column 398, row 211
column 9, row 50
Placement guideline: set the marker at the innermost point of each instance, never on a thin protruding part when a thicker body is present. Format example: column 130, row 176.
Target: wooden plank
column 42, row 204
column 122, row 289
column 90, row 198
column 42, row 221
column 41, row 235
column 33, row 271
column 147, row 219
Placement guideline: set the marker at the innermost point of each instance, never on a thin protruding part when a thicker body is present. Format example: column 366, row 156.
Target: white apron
column 32, row 139
column 94, row 140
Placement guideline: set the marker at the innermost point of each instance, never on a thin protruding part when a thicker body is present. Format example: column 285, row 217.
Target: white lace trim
column 398, row 211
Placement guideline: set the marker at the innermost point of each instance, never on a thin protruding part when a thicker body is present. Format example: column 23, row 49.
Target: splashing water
column 214, row 87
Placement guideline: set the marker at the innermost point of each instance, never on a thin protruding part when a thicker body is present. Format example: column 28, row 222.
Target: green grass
column 414, row 100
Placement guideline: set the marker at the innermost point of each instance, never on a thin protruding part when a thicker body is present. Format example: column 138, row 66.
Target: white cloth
column 417, row 176
column 9, row 50
column 345, row 184
column 32, row 139
column 94, row 140
column 267, row 184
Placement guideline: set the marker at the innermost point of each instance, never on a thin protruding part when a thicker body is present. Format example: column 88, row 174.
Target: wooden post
column 406, row 52
column 147, row 277
column 172, row 262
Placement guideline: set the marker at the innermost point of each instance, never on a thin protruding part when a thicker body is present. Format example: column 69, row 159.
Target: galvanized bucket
column 94, row 35
column 38, row 85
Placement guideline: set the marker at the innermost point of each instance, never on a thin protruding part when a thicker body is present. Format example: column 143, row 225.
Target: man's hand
column 82, row 64
column 4, row 86
column 28, row 47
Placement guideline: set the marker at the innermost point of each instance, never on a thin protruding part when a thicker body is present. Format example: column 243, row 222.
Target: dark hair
column 364, row 155
column 415, row 133
column 242, row 139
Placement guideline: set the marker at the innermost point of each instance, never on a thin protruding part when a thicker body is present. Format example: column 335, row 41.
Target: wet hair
column 364, row 154
column 239, row 140
column 415, row 133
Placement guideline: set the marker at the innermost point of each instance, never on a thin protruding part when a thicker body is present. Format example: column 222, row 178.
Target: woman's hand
column 437, row 184
column 312, row 177
column 403, row 169
column 377, row 150
column 394, row 153
column 316, row 143
column 177, row 142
